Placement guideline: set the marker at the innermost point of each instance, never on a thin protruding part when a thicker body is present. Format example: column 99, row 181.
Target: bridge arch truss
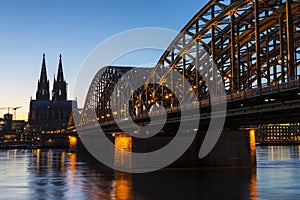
column 254, row 44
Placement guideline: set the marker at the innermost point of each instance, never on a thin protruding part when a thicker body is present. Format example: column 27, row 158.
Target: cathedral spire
column 60, row 74
column 42, row 92
column 43, row 77
column 59, row 86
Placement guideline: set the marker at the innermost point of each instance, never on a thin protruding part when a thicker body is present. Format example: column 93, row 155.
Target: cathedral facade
column 50, row 115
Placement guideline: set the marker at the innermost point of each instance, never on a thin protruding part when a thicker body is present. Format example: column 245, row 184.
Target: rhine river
column 58, row 174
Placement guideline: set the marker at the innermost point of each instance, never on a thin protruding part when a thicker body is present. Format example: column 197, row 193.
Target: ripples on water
column 58, row 174
column 278, row 172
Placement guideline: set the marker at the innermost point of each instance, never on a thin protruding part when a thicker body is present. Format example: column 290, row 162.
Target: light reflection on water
column 278, row 173
column 58, row 174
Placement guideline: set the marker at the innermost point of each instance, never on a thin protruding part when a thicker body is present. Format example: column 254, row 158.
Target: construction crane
column 14, row 109
column 6, row 108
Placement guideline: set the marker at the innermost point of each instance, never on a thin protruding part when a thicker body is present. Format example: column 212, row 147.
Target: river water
column 59, row 174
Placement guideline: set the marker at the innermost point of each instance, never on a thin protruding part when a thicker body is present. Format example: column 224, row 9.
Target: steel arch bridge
column 254, row 44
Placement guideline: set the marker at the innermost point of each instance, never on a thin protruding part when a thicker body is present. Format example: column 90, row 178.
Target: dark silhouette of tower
column 42, row 92
column 59, row 91
column 50, row 116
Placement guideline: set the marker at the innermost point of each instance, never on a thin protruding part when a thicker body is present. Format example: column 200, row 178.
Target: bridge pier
column 234, row 148
column 252, row 147
column 72, row 143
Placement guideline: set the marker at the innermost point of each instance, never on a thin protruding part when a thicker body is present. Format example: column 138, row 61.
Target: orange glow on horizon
column 22, row 113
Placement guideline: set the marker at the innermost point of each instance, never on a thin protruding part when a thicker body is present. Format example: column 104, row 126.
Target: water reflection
column 253, row 185
column 122, row 186
column 59, row 174
column 273, row 153
column 278, row 172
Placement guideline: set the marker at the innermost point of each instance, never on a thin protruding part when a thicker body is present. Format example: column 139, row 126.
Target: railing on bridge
column 238, row 95
column 276, row 87
column 255, row 46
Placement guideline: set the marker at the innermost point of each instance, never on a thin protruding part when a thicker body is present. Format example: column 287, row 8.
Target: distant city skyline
column 73, row 29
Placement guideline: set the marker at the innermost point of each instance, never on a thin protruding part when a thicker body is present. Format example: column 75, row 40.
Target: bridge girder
column 230, row 34
column 253, row 43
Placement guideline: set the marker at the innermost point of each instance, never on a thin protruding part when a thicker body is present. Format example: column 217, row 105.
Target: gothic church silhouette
column 50, row 115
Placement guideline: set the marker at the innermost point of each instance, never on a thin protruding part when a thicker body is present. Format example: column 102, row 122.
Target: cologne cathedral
column 50, row 115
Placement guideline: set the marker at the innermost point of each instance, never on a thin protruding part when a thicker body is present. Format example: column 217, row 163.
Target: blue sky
column 73, row 28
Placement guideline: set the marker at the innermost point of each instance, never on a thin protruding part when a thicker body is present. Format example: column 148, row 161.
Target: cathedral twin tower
column 59, row 91
column 50, row 116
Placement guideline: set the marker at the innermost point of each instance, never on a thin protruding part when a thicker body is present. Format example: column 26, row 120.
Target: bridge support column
column 252, row 147
column 73, row 143
column 123, row 159
column 234, row 148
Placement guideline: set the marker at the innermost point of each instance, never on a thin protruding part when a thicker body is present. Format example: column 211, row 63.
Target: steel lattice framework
column 111, row 81
column 254, row 44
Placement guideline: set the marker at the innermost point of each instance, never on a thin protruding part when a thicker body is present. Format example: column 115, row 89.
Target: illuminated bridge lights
column 254, row 44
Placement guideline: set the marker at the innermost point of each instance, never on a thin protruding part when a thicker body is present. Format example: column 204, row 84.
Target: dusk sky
column 72, row 28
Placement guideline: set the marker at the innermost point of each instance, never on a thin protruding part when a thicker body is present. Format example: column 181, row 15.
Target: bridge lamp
column 102, row 117
column 279, row 61
column 107, row 115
